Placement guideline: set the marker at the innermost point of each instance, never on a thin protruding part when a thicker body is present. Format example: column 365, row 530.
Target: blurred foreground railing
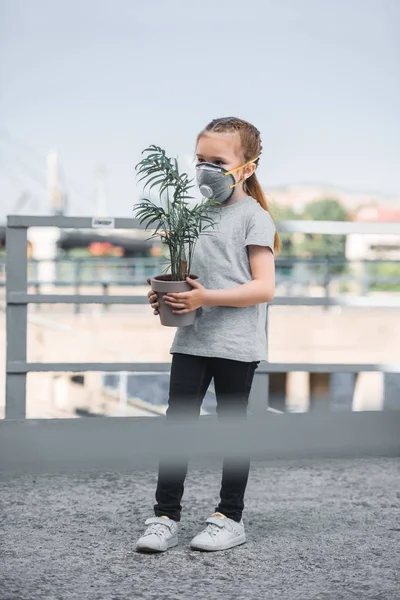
column 377, row 434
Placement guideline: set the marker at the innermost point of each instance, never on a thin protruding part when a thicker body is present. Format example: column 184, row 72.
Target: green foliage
column 175, row 221
column 327, row 209
column 319, row 245
column 314, row 245
column 386, row 270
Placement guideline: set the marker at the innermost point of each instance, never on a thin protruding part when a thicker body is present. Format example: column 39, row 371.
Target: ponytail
column 253, row 188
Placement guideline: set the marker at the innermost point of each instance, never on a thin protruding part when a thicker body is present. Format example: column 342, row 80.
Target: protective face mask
column 215, row 182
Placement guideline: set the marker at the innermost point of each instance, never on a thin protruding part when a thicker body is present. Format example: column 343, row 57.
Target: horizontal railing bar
column 280, row 280
column 332, row 367
column 92, row 283
column 72, row 283
column 338, row 227
column 123, row 261
column 48, row 445
column 104, row 260
column 135, row 282
column 136, row 367
column 22, row 298
column 298, row 226
column 65, row 367
column 351, row 301
column 62, row 222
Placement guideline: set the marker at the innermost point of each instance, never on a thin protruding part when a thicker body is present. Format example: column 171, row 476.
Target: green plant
column 318, row 245
column 384, row 276
column 175, row 221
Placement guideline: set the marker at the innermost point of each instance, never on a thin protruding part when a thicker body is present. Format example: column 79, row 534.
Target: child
column 235, row 264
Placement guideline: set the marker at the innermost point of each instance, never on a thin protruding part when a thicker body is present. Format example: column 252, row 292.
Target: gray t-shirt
column 221, row 261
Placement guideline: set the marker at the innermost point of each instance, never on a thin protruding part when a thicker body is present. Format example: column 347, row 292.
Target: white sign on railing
column 103, row 223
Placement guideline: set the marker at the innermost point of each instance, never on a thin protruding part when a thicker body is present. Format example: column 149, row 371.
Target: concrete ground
column 325, row 530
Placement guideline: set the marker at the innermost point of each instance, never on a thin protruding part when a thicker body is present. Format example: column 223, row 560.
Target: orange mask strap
column 238, row 169
column 241, row 166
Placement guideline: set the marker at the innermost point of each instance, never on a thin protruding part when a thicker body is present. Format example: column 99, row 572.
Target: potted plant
column 175, row 221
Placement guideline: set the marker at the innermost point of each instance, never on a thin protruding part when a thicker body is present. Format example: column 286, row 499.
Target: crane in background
column 40, row 180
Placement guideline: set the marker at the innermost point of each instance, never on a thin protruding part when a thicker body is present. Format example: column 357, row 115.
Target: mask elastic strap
column 241, row 167
column 235, row 184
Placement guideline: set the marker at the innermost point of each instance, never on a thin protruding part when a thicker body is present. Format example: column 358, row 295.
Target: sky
column 100, row 80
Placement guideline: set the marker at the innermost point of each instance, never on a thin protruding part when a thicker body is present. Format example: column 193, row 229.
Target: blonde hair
column 250, row 141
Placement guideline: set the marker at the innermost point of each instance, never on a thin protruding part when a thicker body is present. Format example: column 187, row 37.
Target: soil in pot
column 162, row 284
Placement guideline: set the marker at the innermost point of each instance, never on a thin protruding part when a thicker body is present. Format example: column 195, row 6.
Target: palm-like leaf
column 177, row 224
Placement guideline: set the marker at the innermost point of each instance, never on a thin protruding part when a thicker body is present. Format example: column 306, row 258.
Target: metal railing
column 18, row 298
column 90, row 271
column 77, row 272
column 17, row 367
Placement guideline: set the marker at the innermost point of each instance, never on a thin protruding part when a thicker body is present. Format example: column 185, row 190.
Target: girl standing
column 235, row 263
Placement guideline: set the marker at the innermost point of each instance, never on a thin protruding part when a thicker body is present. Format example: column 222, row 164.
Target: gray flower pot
column 162, row 284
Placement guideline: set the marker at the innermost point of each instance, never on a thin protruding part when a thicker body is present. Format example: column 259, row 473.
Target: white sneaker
column 161, row 535
column 221, row 533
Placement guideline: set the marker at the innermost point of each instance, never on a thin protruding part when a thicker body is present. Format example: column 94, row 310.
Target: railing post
column 365, row 280
column 16, row 320
column 327, row 279
column 37, row 291
column 341, row 390
column 78, row 274
column 123, row 389
column 105, row 288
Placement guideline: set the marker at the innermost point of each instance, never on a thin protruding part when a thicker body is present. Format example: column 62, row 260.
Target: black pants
column 189, row 382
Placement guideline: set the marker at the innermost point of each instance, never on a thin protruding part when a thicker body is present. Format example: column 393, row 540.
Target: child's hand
column 186, row 302
column 153, row 297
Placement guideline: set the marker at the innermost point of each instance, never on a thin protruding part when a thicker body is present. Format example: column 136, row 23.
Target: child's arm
column 260, row 289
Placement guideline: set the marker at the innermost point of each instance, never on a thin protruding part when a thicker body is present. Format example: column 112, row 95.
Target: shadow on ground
column 321, row 530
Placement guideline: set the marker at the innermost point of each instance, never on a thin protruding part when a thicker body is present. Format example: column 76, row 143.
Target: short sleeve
column 261, row 230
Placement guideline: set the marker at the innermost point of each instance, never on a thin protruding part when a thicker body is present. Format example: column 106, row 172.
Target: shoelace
column 158, row 529
column 213, row 529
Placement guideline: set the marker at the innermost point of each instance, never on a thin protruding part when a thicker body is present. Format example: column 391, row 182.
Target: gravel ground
column 322, row 530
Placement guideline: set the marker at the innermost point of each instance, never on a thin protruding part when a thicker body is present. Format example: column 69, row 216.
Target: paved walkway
column 327, row 530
